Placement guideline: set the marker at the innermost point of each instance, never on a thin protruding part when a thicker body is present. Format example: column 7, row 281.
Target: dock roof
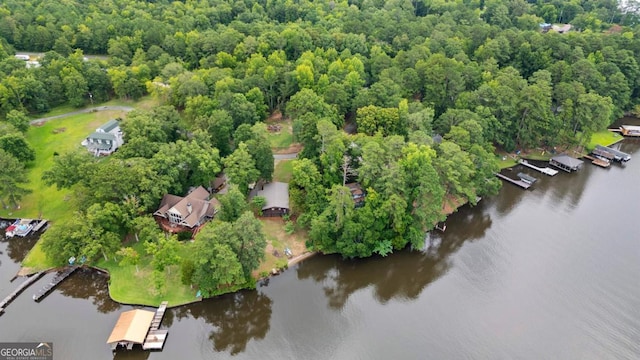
column 132, row 326
column 567, row 160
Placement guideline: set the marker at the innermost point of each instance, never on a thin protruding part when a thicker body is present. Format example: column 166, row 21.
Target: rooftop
column 567, row 160
column 101, row 136
column 132, row 326
column 109, row 125
column 276, row 194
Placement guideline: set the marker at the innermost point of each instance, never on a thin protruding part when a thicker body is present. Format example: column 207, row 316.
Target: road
column 83, row 111
column 285, row 156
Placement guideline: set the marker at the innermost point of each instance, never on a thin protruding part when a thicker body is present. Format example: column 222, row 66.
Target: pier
column 598, row 162
column 60, row 277
column 519, row 183
column 39, row 225
column 139, row 327
column 19, row 290
column 546, row 170
column 155, row 338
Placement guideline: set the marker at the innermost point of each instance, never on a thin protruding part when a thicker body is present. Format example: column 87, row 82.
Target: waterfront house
column 276, row 195
column 105, row 140
column 188, row 213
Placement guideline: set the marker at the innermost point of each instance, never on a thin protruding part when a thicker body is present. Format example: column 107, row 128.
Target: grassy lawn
column 59, row 136
column 604, row 138
column 278, row 240
column 283, row 170
column 126, row 285
column 283, row 138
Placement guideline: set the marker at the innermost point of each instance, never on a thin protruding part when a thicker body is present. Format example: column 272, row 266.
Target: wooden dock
column 60, row 277
column 19, row 290
column 546, row 170
column 156, row 337
column 598, row 162
column 519, row 183
column 39, row 225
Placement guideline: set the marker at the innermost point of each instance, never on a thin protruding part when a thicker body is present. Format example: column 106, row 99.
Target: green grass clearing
column 282, row 138
column 61, row 136
column 604, row 138
column 126, row 285
column 283, row 170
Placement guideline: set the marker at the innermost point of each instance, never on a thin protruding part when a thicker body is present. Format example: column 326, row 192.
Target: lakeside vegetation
column 398, row 108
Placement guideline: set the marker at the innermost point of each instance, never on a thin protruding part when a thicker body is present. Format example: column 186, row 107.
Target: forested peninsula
column 399, row 112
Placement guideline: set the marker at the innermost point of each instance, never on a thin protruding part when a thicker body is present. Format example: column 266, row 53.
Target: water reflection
column 88, row 283
column 237, row 318
column 401, row 276
column 18, row 247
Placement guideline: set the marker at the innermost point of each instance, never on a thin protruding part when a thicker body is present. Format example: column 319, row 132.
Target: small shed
column 526, row 178
column 566, row 163
column 277, row 196
column 131, row 329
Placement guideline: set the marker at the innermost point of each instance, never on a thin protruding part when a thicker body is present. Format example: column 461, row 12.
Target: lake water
column 548, row 273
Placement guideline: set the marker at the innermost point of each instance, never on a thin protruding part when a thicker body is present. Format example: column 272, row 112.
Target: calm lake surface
column 548, row 273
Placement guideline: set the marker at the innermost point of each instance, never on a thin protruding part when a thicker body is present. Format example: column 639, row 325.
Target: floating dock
column 598, row 162
column 519, row 183
column 60, row 276
column 155, row 337
column 19, row 290
column 546, row 170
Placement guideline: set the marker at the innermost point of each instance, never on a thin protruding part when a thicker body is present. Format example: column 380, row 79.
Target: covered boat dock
column 566, row 163
column 139, row 327
column 630, row 130
column 617, row 154
column 131, row 329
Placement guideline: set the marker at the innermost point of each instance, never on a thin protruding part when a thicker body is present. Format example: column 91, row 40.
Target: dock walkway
column 60, row 276
column 19, row 290
column 155, row 337
column 598, row 162
column 39, row 225
column 546, row 170
column 519, row 183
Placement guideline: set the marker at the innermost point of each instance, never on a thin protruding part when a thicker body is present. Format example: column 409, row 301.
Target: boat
column 21, row 227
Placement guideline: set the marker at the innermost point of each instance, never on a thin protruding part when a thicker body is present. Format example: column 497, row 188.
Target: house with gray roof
column 188, row 213
column 276, row 195
column 105, row 140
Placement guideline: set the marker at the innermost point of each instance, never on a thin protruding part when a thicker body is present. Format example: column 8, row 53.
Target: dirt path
column 82, row 111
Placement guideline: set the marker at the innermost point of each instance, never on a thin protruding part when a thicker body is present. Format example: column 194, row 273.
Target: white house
column 105, row 140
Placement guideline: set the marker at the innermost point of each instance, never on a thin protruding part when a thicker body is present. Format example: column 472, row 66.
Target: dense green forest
column 481, row 74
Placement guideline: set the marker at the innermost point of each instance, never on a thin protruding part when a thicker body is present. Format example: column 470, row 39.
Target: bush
column 289, row 227
column 184, row 236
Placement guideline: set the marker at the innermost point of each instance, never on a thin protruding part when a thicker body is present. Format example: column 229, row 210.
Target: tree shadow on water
column 89, row 283
column 400, row 276
column 237, row 318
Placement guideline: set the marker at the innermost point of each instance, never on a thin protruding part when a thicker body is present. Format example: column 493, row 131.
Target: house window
column 174, row 218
